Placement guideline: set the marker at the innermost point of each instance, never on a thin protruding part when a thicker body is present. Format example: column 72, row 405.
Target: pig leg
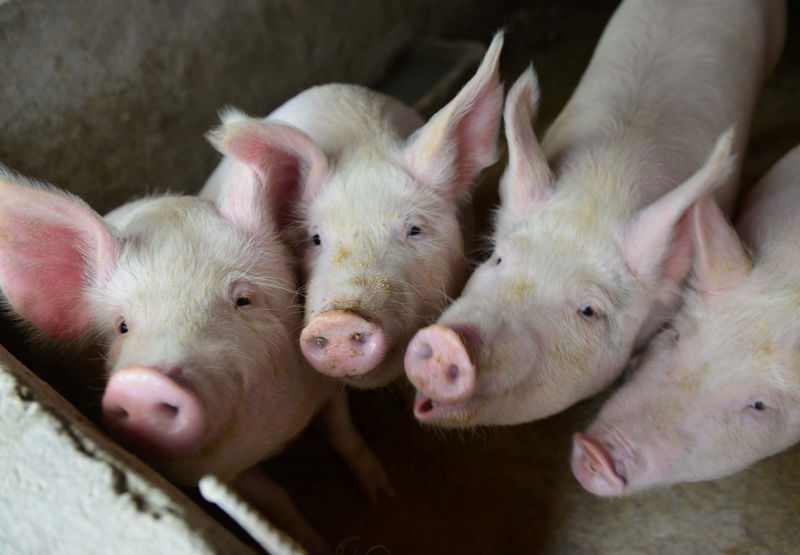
column 266, row 495
column 335, row 423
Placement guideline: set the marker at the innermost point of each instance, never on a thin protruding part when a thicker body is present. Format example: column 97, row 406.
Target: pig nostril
column 118, row 413
column 426, row 406
column 320, row 341
column 360, row 337
column 424, row 351
column 168, row 410
column 453, row 373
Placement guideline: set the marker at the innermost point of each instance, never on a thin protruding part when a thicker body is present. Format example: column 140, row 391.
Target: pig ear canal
column 526, row 180
column 720, row 260
column 53, row 246
column 285, row 163
column 657, row 242
column 460, row 140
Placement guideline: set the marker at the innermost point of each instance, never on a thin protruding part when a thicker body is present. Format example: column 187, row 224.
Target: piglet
column 591, row 243
column 719, row 388
column 380, row 235
column 194, row 305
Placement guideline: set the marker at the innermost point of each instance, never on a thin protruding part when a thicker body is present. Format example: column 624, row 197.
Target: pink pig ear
column 278, row 164
column 51, row 246
column 461, row 138
column 526, row 179
column 720, row 261
column 656, row 242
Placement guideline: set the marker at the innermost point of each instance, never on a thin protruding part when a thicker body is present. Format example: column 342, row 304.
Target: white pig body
column 379, row 231
column 591, row 242
column 718, row 389
column 194, row 305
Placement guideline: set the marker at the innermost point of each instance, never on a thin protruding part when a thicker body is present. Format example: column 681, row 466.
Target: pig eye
column 588, row 312
column 759, row 406
column 123, row 328
column 498, row 261
column 414, row 230
column 243, row 301
column 316, row 239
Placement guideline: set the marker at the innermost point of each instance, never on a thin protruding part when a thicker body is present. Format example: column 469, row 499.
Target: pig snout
column 152, row 415
column 339, row 344
column 438, row 364
column 594, row 467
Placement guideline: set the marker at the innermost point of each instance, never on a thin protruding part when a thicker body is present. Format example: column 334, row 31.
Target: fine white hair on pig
column 194, row 305
column 380, row 215
column 719, row 388
column 591, row 241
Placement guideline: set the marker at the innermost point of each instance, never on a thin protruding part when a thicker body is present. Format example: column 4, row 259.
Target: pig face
column 541, row 319
column 213, row 310
column 716, row 390
column 553, row 315
column 387, row 257
column 380, row 235
column 195, row 305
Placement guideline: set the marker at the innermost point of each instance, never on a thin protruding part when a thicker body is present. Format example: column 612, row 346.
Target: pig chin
column 451, row 415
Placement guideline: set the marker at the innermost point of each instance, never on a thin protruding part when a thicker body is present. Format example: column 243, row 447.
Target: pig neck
column 613, row 175
column 770, row 222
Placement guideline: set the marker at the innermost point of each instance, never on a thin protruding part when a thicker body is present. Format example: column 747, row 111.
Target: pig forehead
column 195, row 258
column 724, row 355
column 383, row 190
column 742, row 352
column 563, row 258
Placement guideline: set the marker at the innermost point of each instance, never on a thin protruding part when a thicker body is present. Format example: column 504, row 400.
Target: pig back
column 769, row 223
column 667, row 77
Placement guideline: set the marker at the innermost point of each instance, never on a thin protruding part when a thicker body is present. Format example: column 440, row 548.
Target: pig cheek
column 431, row 280
column 113, row 353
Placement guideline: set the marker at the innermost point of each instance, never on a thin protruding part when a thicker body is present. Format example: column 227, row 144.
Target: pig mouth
column 602, row 462
column 458, row 414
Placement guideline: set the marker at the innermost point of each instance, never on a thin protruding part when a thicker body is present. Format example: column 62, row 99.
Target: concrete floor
column 510, row 490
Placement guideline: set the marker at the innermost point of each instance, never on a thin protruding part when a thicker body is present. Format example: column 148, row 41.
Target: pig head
column 591, row 241
column 719, row 388
column 554, row 313
column 379, row 233
column 194, row 305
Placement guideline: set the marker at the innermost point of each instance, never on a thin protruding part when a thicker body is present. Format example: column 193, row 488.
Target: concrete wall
column 109, row 99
